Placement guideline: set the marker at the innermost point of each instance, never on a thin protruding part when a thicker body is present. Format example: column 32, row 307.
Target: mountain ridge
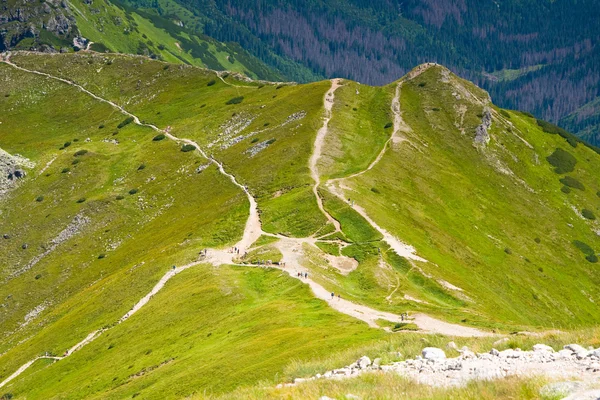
column 154, row 203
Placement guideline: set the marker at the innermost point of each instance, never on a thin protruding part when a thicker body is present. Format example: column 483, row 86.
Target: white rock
column 467, row 354
column 594, row 367
column 564, row 353
column 452, row 345
column 363, row 362
column 594, row 353
column 325, row 398
column 377, row 362
column 433, row 353
column 510, row 353
column 352, row 396
column 494, row 352
column 299, row 380
column 543, row 347
column 499, row 342
column 575, row 348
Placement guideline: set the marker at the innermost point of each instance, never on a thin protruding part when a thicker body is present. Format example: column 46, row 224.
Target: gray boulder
column 363, row 362
column 433, row 353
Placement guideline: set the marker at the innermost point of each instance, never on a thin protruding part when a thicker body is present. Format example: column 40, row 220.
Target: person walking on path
column 306, row 275
column 332, row 295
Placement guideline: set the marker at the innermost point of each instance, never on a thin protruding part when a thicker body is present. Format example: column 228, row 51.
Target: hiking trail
column 289, row 247
column 328, row 101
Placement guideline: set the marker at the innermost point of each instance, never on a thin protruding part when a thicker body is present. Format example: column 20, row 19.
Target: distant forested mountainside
column 540, row 56
column 537, row 55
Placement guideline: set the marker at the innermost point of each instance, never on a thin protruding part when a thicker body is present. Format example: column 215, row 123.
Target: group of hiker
column 333, row 296
column 303, row 275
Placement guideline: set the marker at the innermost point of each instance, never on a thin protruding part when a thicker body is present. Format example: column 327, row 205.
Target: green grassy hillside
column 505, row 230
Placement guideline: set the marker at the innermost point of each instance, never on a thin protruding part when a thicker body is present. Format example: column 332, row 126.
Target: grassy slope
column 430, row 192
column 141, row 235
column 201, row 319
column 357, row 128
column 123, row 29
column 180, row 98
column 453, row 203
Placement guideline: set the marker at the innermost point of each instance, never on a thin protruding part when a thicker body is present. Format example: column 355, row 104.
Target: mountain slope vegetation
column 141, row 179
column 539, row 56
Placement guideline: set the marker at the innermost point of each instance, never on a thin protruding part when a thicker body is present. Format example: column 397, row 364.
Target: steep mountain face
column 42, row 26
column 154, row 245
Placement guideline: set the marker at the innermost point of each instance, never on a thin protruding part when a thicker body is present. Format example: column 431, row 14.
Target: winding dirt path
column 335, row 185
column 290, row 247
column 318, row 150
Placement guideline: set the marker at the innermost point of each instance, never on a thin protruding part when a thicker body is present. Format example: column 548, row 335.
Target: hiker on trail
column 306, row 274
column 339, row 297
column 173, row 267
column 332, row 295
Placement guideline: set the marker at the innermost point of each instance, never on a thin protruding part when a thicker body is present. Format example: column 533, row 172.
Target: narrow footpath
column 252, row 231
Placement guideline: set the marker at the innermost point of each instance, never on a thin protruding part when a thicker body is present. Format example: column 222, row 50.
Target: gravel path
column 290, row 248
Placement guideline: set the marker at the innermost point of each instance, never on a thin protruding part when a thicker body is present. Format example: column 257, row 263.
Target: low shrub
column 271, row 141
column 38, row 276
column 375, row 190
column 235, row 100
column 254, row 140
column 211, row 82
column 388, row 125
column 76, row 161
column 101, row 126
column 101, row 256
column 508, row 251
column 588, row 214
column 125, row 122
column 67, row 144
column 572, row 182
column 81, row 200
column 422, row 84
column 583, row 247
column 187, row 147
column 436, row 109
column 80, row 153
column 537, row 240
column 565, row 189
column 527, row 114
column 268, row 123
column 557, row 130
column 260, row 86
column 562, row 161
column 133, row 191
column 39, row 199
column 120, row 197
column 592, row 258
column 505, row 114
column 279, row 87
column 65, row 170
column 141, row 167
column 158, row 138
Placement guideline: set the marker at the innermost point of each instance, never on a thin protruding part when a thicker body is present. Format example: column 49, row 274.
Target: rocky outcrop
column 433, row 368
column 13, row 168
column 25, row 19
column 482, row 137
